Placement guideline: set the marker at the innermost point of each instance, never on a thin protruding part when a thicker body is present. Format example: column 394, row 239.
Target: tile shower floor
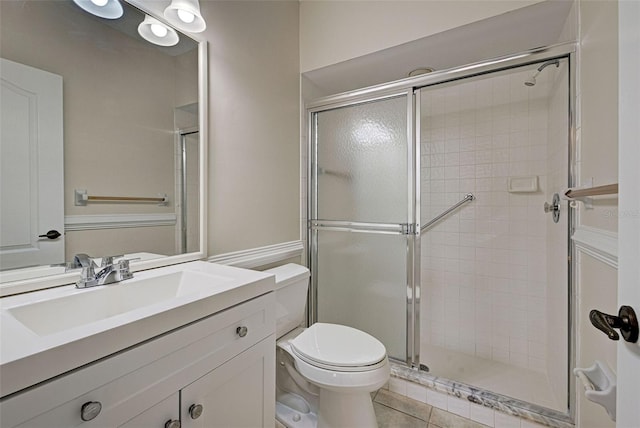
column 506, row 379
column 397, row 411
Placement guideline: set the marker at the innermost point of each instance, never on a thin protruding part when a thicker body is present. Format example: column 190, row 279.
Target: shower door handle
column 626, row 321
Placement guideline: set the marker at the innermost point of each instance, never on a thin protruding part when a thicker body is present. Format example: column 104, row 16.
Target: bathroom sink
column 99, row 303
column 49, row 332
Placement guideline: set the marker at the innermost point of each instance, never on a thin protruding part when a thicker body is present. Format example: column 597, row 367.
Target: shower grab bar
column 468, row 197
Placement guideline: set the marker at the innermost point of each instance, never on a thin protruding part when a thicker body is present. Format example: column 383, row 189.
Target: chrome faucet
column 109, row 272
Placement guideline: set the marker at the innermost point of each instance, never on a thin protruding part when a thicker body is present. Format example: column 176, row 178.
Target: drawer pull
column 242, row 331
column 90, row 410
column 172, row 424
column 195, row 410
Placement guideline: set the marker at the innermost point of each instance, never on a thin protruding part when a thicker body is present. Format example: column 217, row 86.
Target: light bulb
column 159, row 30
column 185, row 16
column 100, row 3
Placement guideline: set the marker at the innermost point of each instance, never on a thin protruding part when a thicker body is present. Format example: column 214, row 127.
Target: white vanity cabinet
column 160, row 415
column 233, row 395
column 225, row 363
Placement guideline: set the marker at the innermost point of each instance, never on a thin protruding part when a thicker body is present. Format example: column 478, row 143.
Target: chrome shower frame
column 410, row 87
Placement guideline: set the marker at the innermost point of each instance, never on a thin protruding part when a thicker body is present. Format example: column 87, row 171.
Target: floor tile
column 403, row 404
column 390, row 418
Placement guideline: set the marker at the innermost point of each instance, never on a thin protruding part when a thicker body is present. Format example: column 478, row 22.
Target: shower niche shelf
column 526, row 184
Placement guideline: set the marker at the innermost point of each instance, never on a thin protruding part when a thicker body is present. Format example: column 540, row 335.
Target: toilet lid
column 339, row 346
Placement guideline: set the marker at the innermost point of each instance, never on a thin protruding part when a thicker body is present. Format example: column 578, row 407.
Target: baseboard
column 117, row 221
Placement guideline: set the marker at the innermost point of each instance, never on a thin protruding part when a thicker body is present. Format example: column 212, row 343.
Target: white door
column 628, row 365
column 31, row 168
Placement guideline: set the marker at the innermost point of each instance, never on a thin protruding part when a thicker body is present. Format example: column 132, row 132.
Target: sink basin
column 103, row 302
column 49, row 332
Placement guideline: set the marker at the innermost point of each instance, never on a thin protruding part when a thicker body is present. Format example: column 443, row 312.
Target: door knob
column 626, row 321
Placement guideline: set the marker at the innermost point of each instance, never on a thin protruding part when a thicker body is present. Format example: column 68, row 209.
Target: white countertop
column 27, row 358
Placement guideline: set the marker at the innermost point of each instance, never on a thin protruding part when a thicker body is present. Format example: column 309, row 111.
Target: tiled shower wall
column 484, row 268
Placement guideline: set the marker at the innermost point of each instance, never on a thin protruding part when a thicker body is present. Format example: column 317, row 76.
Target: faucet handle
column 108, row 260
column 123, row 268
column 88, row 272
column 87, row 276
column 83, row 260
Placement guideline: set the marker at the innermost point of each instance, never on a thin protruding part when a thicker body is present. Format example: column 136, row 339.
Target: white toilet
column 325, row 373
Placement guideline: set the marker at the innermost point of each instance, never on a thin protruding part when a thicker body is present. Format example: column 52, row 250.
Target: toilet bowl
column 325, row 373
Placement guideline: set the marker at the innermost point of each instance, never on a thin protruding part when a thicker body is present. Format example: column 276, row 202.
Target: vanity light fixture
column 109, row 9
column 156, row 32
column 185, row 15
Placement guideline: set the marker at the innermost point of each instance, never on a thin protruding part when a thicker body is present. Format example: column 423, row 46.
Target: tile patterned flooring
column 397, row 411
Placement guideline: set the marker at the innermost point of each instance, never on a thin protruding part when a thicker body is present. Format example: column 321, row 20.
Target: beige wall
column 598, row 159
column 334, row 31
column 253, row 123
column 253, row 183
column 598, row 99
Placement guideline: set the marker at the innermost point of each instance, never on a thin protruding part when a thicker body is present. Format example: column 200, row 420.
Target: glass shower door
column 361, row 220
column 494, row 273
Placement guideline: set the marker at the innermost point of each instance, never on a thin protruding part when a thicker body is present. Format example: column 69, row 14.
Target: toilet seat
column 339, row 348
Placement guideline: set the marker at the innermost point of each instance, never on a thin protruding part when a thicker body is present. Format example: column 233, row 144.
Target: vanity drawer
column 128, row 383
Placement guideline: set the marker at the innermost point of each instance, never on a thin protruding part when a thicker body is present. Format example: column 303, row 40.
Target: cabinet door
column 157, row 416
column 239, row 393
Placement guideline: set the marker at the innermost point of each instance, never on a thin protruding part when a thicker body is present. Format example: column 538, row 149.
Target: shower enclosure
column 427, row 227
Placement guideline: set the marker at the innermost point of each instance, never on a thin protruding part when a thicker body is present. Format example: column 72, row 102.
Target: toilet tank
column 292, row 283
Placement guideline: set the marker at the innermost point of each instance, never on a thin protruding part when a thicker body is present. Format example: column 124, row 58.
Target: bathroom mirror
column 106, row 150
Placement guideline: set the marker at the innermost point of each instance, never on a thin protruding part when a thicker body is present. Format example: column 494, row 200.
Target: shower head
column 532, row 80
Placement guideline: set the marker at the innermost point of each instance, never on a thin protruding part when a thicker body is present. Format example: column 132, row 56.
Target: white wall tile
column 417, row 392
column 397, row 385
column 503, row 420
column 481, row 414
column 529, row 424
column 458, row 406
column 437, row 399
column 494, row 243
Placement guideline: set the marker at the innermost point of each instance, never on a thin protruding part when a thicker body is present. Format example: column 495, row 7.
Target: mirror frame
column 34, row 284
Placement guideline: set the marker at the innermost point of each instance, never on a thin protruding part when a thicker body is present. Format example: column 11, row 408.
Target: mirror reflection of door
column 31, row 172
column 189, row 180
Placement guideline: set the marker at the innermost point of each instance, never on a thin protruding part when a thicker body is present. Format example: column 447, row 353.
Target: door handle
column 52, row 234
column 626, row 321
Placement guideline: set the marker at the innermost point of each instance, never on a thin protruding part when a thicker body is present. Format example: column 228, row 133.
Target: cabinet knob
column 172, row 424
column 90, row 410
column 242, row 331
column 195, row 410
